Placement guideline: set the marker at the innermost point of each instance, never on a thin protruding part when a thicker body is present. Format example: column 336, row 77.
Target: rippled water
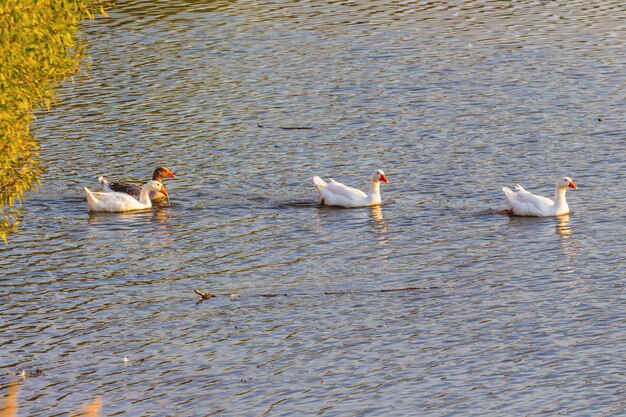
column 497, row 315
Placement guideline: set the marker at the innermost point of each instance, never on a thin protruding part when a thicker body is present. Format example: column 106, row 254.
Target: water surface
column 499, row 316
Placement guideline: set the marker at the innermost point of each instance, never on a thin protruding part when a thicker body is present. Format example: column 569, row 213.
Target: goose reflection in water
column 563, row 227
column 378, row 221
column 158, row 214
column 568, row 240
column 568, row 244
column 161, row 215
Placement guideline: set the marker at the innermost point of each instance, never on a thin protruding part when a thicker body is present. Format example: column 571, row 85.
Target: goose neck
column 559, row 196
column 374, row 188
column 144, row 197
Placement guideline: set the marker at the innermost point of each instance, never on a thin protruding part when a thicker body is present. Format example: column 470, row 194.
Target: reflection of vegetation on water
column 10, row 406
column 38, row 50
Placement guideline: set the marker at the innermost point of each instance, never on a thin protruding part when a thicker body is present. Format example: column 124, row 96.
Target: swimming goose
column 335, row 193
column 119, row 202
column 135, row 189
column 523, row 203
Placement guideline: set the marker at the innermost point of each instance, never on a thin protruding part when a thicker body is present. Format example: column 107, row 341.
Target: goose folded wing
column 125, row 187
column 343, row 190
column 538, row 201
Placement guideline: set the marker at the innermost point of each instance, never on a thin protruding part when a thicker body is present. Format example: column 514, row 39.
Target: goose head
column 565, row 182
column 155, row 186
column 162, row 172
column 379, row 176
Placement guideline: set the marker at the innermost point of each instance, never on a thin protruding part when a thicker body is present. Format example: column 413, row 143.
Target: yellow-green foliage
column 38, row 50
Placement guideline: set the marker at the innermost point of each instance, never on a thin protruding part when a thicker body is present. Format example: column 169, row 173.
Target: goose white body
column 524, row 203
column 334, row 193
column 120, row 202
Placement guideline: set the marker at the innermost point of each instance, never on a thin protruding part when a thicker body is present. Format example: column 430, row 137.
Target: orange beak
column 164, row 191
column 170, row 174
column 383, row 178
column 572, row 185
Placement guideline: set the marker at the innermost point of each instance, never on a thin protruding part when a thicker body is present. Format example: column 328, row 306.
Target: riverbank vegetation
column 38, row 50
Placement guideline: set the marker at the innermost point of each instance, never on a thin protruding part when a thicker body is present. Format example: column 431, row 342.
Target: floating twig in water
column 204, row 295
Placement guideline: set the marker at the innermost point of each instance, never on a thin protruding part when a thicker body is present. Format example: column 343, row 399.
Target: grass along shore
column 39, row 49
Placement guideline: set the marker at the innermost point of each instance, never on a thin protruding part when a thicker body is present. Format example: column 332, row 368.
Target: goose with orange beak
column 334, row 193
column 524, row 203
column 135, row 189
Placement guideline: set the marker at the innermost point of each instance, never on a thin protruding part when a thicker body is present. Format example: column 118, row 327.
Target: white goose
column 335, row 193
column 119, row 202
column 523, row 203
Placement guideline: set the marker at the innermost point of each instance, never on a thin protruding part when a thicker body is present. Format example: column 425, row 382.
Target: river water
column 493, row 315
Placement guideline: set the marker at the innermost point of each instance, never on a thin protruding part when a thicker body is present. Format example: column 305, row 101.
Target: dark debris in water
column 27, row 374
column 138, row 362
column 298, row 204
column 206, row 296
column 286, row 127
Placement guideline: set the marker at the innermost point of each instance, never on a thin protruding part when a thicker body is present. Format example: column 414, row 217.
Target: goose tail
column 91, row 199
column 319, row 183
column 510, row 195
